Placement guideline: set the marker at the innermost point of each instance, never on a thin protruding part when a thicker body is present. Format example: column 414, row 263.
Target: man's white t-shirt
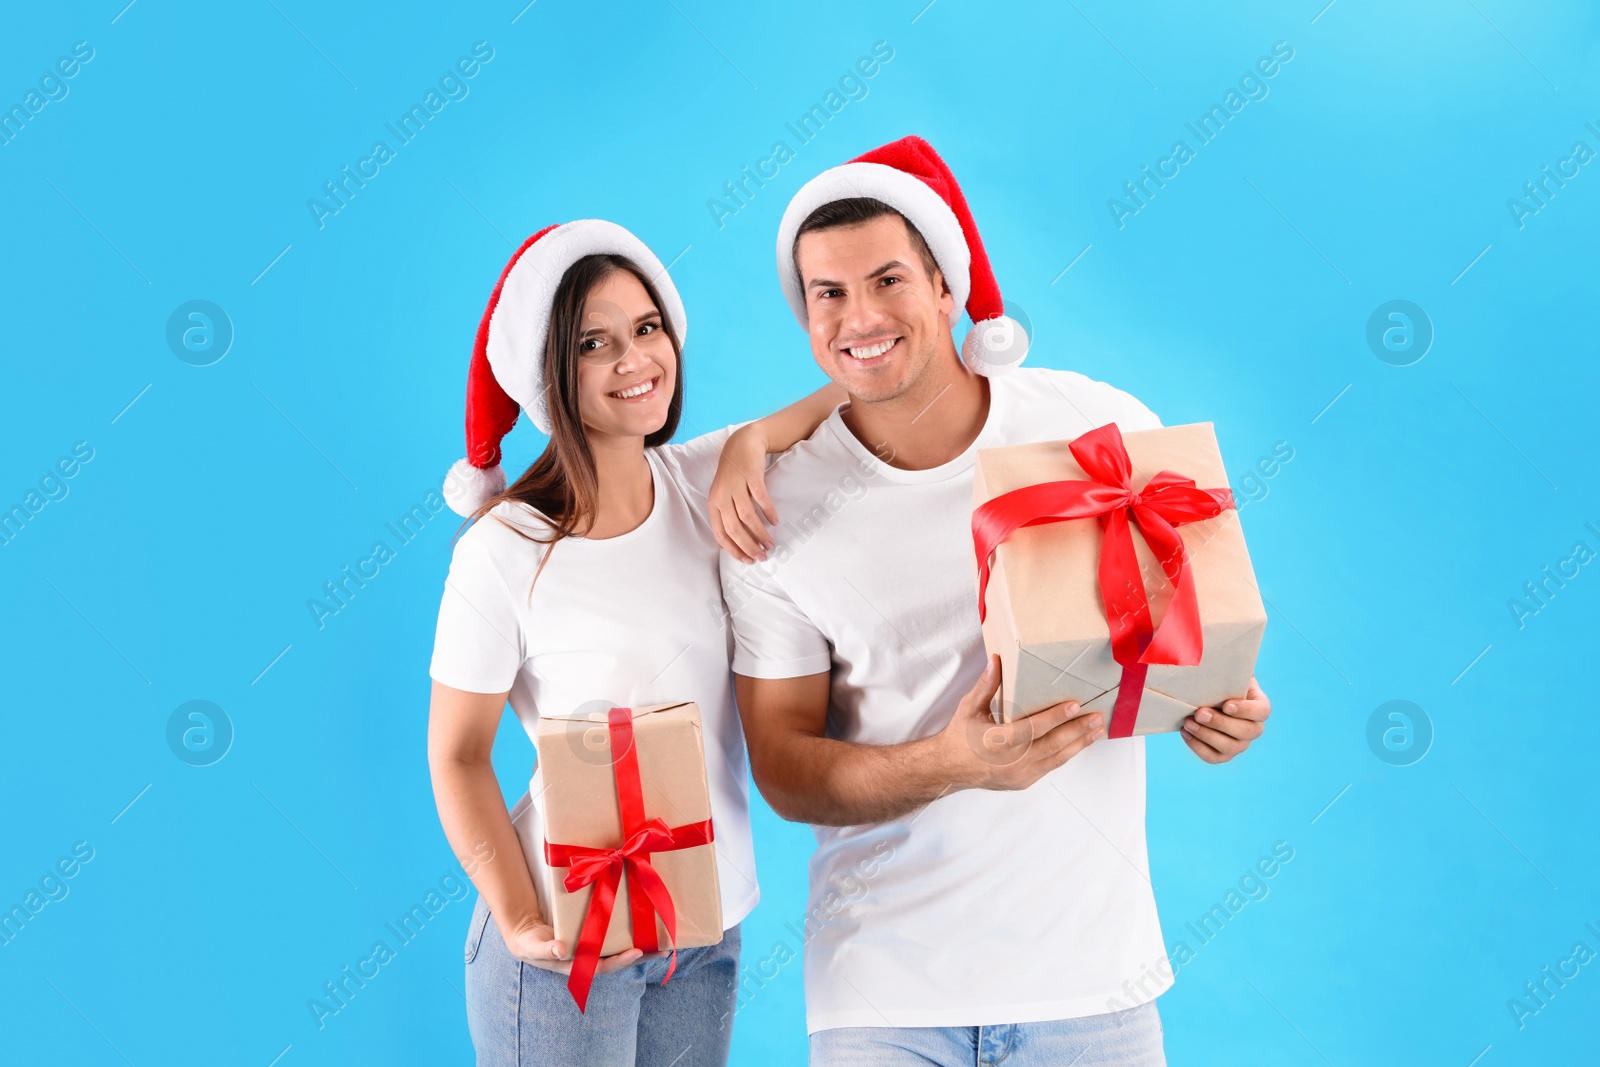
column 985, row 907
column 622, row 621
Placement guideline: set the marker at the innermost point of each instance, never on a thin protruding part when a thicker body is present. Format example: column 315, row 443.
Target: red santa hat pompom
column 909, row 176
column 507, row 369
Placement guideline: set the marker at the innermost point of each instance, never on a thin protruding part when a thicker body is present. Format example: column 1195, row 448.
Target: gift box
column 620, row 834
column 1113, row 578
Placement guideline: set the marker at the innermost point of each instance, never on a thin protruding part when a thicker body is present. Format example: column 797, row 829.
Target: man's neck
column 927, row 426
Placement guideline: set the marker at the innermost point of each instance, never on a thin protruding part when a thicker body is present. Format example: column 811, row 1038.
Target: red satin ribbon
column 1167, row 501
column 603, row 867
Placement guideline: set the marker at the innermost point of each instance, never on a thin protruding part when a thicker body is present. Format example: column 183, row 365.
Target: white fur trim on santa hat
column 521, row 318
column 468, row 488
column 994, row 346
column 908, row 195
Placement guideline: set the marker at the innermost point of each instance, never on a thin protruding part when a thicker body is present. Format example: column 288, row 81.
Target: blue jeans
column 522, row 1016
column 1130, row 1038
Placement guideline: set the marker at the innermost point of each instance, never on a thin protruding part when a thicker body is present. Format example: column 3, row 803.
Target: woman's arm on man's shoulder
column 738, row 502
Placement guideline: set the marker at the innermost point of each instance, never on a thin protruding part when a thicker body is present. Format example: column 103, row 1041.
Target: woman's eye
column 648, row 328
column 589, row 344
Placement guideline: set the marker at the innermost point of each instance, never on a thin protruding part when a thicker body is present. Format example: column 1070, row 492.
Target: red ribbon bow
column 603, row 867
column 1168, row 500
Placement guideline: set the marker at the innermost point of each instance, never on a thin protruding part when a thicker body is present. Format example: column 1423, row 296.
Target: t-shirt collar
column 874, row 466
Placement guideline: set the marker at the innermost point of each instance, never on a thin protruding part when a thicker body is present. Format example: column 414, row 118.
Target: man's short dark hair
column 853, row 211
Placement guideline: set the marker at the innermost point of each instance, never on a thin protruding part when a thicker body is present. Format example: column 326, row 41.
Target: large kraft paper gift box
column 1045, row 611
column 621, row 803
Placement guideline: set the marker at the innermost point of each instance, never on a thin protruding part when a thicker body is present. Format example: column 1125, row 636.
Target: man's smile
column 870, row 354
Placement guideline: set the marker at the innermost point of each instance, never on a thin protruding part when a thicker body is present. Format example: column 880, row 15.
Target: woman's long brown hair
column 562, row 484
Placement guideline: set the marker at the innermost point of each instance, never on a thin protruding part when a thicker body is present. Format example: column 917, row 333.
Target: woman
column 590, row 583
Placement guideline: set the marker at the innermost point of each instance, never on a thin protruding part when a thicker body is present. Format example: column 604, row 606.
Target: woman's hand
column 738, row 499
column 535, row 943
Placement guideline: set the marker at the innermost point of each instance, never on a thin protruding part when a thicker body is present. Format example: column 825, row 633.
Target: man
column 979, row 892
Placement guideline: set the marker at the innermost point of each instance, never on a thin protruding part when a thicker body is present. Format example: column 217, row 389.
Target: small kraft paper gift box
column 1108, row 575
column 621, row 837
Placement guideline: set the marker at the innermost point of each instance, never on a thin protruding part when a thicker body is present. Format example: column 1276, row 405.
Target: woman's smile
column 638, row 392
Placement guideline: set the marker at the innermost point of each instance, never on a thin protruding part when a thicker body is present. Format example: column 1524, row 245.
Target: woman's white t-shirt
column 622, row 621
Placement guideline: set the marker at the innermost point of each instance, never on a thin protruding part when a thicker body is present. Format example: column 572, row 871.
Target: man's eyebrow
column 824, row 283
column 891, row 265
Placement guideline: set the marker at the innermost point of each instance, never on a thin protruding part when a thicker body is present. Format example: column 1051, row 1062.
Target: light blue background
column 180, row 563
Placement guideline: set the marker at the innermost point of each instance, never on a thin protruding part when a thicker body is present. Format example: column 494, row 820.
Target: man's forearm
column 825, row 782
column 809, row 777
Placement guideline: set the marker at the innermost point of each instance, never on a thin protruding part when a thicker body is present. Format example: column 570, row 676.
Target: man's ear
column 947, row 301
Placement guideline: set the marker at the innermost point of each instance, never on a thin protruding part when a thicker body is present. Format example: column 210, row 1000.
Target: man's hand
column 1218, row 734
column 807, row 776
column 983, row 754
column 535, row 943
column 738, row 499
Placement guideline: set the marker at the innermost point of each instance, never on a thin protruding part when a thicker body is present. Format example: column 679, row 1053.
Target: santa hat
column 507, row 369
column 909, row 176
